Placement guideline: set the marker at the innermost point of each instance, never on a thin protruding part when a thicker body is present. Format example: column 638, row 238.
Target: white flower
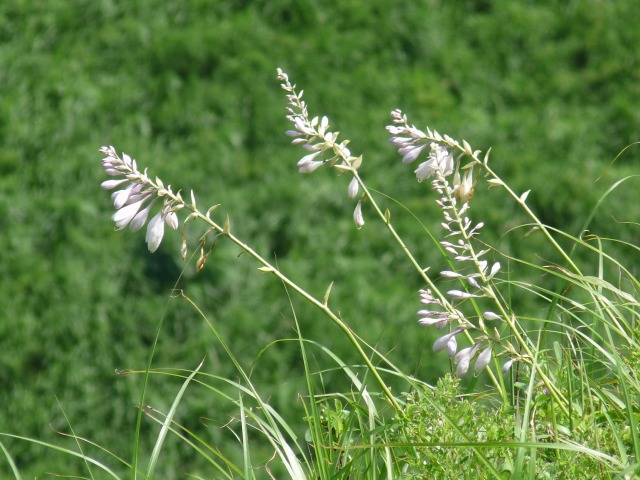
column 461, row 295
column 450, row 274
column 494, row 269
column 123, row 216
column 141, row 217
column 357, row 215
column 171, row 219
column 491, row 316
column 307, row 163
column 353, row 188
column 155, row 232
column 507, row 365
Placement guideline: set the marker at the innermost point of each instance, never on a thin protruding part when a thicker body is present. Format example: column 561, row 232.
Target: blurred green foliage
column 189, row 90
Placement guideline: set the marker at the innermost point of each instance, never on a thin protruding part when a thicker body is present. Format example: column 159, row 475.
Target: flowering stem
column 519, row 199
column 488, row 290
column 414, row 262
column 466, row 150
column 290, row 283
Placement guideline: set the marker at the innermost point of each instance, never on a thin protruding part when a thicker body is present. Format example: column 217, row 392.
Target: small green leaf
column 486, row 157
column 325, row 300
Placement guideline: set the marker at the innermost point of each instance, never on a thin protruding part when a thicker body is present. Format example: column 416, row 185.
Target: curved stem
column 268, row 267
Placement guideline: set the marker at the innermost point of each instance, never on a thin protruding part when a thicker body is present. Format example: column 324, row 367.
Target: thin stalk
column 421, row 271
column 294, row 286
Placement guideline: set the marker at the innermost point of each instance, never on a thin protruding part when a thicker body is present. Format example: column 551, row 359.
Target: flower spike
column 134, row 202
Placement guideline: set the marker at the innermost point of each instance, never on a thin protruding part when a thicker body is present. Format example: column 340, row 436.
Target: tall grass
column 551, row 393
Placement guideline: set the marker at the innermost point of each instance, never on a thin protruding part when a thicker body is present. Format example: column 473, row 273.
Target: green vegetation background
column 188, row 89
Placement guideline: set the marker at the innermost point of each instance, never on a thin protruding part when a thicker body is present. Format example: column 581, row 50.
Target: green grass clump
column 445, row 431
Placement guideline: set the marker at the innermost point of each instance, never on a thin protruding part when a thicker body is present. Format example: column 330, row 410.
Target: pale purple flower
column 425, row 170
column 430, row 317
column 133, row 203
column 466, row 353
column 411, row 153
column 463, row 366
column 426, row 297
column 155, row 228
column 109, row 184
column 428, row 321
column 440, row 162
column 124, row 197
column 463, row 359
column 310, row 167
column 483, row 359
column 452, row 346
column 491, row 316
column 443, row 341
column 443, row 322
column 410, row 143
column 314, row 134
column 315, row 137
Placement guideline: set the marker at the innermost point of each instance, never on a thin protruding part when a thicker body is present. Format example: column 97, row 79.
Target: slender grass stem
column 269, row 268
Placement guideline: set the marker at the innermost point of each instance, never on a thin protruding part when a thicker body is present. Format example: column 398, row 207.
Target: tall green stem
column 268, row 267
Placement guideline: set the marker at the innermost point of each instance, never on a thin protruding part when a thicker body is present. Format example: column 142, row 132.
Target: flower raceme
column 411, row 142
column 455, row 192
column 322, row 144
column 322, row 147
column 138, row 195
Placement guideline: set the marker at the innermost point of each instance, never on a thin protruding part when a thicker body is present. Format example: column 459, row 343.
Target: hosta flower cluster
column 474, row 273
column 321, row 143
column 137, row 197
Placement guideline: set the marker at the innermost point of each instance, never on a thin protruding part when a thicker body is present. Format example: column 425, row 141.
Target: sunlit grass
column 189, row 89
